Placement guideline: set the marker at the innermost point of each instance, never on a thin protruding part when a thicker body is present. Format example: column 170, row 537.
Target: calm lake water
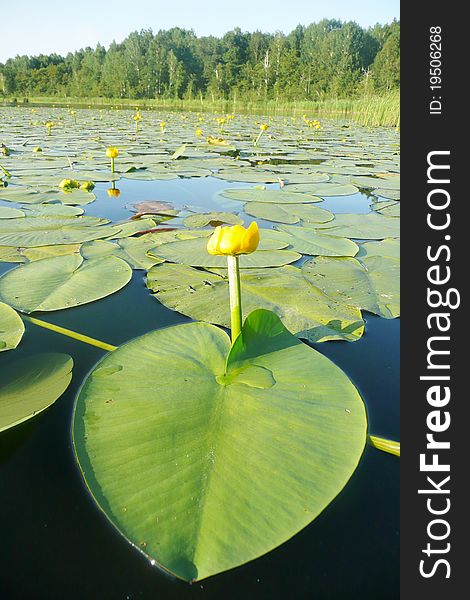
column 55, row 543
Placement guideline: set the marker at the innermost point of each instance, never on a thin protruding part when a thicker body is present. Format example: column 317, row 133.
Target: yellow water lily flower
column 233, row 240
column 37, row 149
column 198, row 132
column 68, row 184
column 112, row 152
column 88, row 186
column 264, row 126
column 137, row 116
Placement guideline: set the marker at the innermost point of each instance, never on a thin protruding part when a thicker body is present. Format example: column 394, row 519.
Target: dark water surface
column 56, row 544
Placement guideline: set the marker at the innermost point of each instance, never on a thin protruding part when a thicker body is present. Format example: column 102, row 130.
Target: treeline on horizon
column 326, row 59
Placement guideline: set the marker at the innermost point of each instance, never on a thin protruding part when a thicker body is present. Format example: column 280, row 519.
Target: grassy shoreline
column 370, row 110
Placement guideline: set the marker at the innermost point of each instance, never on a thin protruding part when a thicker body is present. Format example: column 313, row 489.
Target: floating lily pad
column 370, row 226
column 309, row 241
column 11, row 254
column 323, row 189
column 62, row 282
column 212, row 218
column 40, row 252
column 387, row 208
column 31, row 385
column 305, row 309
column 29, row 232
column 10, row 213
column 388, row 247
column 11, row 328
column 288, row 213
column 177, row 472
column 373, row 285
column 264, row 195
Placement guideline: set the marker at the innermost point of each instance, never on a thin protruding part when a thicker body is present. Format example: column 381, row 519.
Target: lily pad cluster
column 181, row 467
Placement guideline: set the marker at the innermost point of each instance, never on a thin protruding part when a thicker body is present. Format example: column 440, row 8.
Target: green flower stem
column 112, row 165
column 7, row 173
column 255, row 143
column 69, row 333
column 235, row 296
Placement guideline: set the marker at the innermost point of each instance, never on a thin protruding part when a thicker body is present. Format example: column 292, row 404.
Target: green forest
column 329, row 59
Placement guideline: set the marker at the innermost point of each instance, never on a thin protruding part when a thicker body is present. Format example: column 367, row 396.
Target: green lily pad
column 134, row 251
column 370, row 226
column 309, row 241
column 40, row 252
column 388, row 208
column 262, row 195
column 29, row 232
column 31, row 385
column 387, row 247
column 373, row 285
column 178, row 472
column 305, row 309
column 247, row 175
column 11, row 328
column 10, row 213
column 288, row 213
column 213, row 218
column 193, row 252
column 323, row 189
column 11, row 254
column 52, row 210
column 62, row 282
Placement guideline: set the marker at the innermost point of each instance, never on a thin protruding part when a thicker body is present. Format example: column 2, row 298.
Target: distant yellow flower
column 113, row 192
column 137, row 116
column 264, row 127
column 37, row 149
column 198, row 132
column 88, row 186
column 67, row 185
column 234, row 240
column 163, row 125
column 213, row 141
column 49, row 125
column 112, row 152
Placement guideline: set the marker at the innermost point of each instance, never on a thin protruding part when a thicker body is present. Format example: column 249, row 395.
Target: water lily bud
column 112, row 152
column 88, row 186
column 264, row 126
column 234, row 240
column 37, row 149
column 68, row 184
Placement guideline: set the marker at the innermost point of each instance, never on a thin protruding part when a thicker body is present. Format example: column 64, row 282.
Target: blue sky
column 45, row 26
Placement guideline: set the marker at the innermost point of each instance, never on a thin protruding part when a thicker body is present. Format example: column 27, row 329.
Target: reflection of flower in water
column 113, row 192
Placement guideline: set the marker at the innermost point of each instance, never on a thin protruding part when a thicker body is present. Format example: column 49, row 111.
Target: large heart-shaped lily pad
column 216, row 462
column 11, row 327
column 62, row 282
column 32, row 384
column 305, row 309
